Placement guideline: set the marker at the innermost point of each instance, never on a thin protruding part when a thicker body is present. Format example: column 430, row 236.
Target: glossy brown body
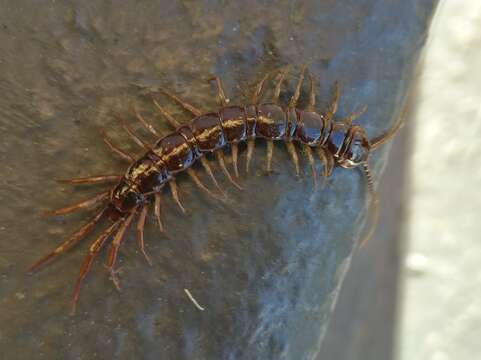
column 207, row 133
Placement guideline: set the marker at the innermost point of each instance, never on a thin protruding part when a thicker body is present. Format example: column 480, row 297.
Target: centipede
column 334, row 143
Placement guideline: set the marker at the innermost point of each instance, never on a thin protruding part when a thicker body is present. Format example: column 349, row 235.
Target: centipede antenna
column 144, row 122
column 84, row 204
column 174, row 123
column 373, row 206
column 94, row 249
column 91, row 180
column 70, row 242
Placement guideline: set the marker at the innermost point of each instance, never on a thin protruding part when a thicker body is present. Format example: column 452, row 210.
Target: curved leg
column 312, row 94
column 280, row 80
column 208, row 170
column 128, row 129
column 374, row 204
column 334, row 103
column 200, row 185
column 235, row 155
column 250, row 151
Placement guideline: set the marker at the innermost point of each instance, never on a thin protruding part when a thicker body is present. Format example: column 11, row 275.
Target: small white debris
column 193, row 300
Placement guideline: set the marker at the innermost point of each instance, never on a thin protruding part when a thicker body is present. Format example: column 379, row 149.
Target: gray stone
column 268, row 268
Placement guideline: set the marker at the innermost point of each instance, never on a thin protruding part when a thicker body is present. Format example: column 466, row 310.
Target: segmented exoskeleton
column 336, row 143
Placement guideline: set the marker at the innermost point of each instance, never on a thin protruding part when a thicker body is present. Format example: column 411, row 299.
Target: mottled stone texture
column 267, row 273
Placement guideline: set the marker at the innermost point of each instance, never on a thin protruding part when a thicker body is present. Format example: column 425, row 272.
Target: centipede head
column 355, row 150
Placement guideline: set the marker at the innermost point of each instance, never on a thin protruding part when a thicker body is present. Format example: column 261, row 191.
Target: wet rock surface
column 268, row 267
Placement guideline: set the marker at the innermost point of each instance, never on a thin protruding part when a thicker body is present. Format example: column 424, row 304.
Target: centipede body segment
column 333, row 143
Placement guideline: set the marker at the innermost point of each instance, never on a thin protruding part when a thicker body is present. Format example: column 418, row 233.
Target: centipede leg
column 140, row 232
column 85, row 204
column 260, row 85
column 223, row 100
column 327, row 162
column 221, row 160
column 94, row 249
column 250, row 151
column 91, row 180
column 174, row 123
column 116, row 150
column 277, row 89
column 291, row 149
column 190, row 108
column 132, row 134
column 144, row 122
column 270, row 150
column 235, row 155
column 157, row 213
column 175, row 195
column 334, row 102
column 312, row 94
column 200, row 185
column 350, row 118
column 310, row 157
column 208, row 170
column 115, row 245
column 70, row 242
column 297, row 92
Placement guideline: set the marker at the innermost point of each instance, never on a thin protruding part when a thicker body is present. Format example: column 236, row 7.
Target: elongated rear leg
column 140, row 232
column 70, row 242
column 85, row 204
column 115, row 245
column 94, row 249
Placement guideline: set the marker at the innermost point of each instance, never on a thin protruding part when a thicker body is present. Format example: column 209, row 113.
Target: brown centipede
column 335, row 143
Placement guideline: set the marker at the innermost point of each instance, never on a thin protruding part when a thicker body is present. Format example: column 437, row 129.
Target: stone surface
column 267, row 273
